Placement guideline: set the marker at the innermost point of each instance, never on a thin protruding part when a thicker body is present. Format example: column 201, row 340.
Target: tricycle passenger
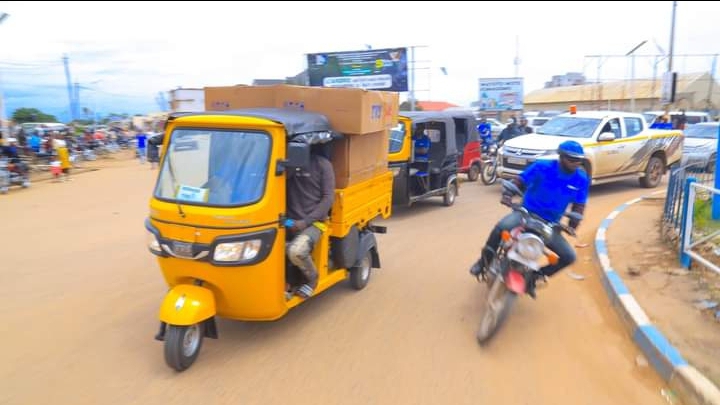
column 310, row 195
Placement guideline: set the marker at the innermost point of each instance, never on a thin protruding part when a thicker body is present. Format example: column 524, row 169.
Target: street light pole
column 3, row 118
column 632, row 74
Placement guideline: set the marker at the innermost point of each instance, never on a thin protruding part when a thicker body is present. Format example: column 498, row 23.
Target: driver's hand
column 299, row 226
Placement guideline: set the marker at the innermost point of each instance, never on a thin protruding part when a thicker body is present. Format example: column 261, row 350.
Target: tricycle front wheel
column 182, row 345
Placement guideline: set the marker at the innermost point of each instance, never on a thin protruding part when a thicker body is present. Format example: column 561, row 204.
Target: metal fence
column 672, row 212
column 701, row 228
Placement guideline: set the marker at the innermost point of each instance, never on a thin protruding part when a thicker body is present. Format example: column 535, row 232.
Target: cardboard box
column 236, row 97
column 357, row 158
column 349, row 111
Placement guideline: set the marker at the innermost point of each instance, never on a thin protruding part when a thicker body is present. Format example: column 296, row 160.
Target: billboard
column 376, row 69
column 501, row 94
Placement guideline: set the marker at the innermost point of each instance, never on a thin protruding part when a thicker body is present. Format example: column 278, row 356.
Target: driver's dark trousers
column 557, row 243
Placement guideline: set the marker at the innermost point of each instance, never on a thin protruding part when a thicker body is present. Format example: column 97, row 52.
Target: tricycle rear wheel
column 360, row 275
column 182, row 345
column 450, row 194
column 474, row 172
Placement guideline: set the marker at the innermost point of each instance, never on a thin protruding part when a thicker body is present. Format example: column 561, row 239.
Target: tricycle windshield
column 570, row 127
column 397, row 137
column 214, row 167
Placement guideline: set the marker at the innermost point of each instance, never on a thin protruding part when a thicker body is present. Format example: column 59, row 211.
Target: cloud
column 133, row 50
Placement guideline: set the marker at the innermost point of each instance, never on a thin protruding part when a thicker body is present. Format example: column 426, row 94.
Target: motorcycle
column 488, row 164
column 520, row 256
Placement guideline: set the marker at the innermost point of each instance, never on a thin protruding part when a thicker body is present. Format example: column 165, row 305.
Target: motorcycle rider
column 549, row 187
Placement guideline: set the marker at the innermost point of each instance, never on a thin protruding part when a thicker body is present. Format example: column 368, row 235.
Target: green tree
column 22, row 115
column 405, row 106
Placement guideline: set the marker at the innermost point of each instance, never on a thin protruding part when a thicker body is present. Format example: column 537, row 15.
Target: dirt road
column 82, row 294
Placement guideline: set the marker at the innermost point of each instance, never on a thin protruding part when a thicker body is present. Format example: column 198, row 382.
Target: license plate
column 182, row 249
column 515, row 161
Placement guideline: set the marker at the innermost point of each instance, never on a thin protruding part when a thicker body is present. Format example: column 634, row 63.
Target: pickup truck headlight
column 237, row 251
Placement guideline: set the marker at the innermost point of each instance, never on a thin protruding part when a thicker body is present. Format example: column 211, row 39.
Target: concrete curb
column 689, row 384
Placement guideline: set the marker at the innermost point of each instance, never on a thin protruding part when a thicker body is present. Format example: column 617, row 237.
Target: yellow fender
column 186, row 305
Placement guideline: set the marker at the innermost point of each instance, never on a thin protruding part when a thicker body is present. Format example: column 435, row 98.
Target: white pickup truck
column 618, row 145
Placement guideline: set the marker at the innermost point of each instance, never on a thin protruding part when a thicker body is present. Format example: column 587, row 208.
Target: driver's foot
column 477, row 269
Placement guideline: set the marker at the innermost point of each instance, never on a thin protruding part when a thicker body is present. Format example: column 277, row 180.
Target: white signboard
column 501, row 94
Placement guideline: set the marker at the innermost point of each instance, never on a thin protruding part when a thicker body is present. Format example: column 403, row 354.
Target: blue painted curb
column 690, row 385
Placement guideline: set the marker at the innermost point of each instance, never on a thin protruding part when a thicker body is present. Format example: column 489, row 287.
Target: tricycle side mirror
column 298, row 156
column 606, row 137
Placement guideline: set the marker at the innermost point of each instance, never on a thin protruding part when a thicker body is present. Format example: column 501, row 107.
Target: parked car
column 537, row 122
column 692, row 117
column 700, row 146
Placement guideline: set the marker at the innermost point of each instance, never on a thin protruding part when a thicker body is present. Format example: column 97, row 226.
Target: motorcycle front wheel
column 495, row 310
column 488, row 174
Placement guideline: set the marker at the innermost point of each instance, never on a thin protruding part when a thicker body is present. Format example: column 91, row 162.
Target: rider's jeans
column 557, row 243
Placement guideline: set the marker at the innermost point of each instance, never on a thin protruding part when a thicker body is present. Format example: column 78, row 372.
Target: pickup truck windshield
column 570, row 127
column 397, row 136
column 214, row 167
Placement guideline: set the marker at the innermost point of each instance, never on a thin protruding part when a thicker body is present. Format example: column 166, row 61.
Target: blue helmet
column 571, row 149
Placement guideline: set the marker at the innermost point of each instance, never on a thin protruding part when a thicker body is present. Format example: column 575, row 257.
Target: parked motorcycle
column 488, row 165
column 10, row 175
column 522, row 252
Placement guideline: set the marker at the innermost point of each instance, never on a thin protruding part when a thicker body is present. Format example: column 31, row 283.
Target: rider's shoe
column 477, row 269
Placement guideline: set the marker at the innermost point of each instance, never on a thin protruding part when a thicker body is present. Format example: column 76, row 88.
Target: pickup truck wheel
column 710, row 168
column 653, row 173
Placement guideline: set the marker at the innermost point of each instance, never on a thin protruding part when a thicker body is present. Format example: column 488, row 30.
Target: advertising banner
column 501, row 94
column 376, row 69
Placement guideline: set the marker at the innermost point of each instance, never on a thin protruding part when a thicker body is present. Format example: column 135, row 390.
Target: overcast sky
column 127, row 52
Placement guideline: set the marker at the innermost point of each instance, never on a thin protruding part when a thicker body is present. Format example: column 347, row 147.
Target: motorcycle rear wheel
column 495, row 310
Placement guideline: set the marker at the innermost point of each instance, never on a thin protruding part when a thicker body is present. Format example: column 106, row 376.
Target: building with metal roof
column 698, row 91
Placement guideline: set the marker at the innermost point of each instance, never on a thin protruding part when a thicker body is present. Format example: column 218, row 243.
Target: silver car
column 700, row 145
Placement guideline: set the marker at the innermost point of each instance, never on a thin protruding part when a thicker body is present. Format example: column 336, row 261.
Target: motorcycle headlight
column 530, row 246
column 152, row 242
column 492, row 149
column 237, row 251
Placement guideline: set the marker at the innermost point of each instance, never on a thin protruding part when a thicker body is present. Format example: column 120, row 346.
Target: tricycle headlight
column 237, row 251
column 153, row 243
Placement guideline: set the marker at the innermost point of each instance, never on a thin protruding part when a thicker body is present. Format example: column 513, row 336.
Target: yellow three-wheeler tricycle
column 216, row 222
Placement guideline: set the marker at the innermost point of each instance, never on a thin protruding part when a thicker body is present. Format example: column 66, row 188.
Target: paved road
column 82, row 293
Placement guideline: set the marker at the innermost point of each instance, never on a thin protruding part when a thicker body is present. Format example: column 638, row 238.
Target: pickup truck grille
column 518, row 158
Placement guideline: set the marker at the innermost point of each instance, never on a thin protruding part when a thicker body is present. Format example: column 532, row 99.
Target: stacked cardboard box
column 363, row 116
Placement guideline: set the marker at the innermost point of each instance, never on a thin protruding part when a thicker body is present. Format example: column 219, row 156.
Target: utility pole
column 516, row 61
column 413, row 71
column 73, row 109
